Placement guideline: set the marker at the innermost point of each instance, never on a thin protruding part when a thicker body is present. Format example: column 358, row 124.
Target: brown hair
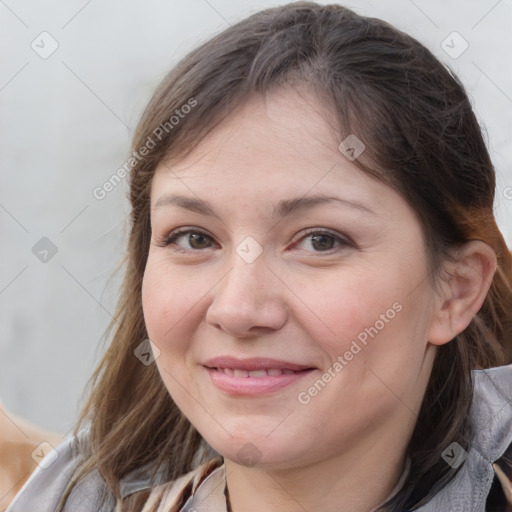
column 421, row 136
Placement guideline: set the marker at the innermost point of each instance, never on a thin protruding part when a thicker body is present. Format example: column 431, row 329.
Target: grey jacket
column 491, row 415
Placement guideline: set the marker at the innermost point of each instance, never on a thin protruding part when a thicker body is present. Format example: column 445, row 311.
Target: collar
column 204, row 490
column 201, row 490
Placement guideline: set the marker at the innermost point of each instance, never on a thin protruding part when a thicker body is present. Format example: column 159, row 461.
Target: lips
column 254, row 367
column 256, row 376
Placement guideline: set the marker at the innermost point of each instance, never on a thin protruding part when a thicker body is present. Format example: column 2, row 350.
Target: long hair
column 421, row 137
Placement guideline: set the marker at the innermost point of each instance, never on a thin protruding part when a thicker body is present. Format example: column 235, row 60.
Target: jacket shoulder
column 47, row 484
column 491, row 420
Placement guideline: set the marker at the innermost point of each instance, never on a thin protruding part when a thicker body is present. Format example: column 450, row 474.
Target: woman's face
column 286, row 291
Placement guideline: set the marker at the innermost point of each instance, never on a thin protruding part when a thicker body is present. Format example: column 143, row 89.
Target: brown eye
column 198, row 240
column 194, row 240
column 323, row 241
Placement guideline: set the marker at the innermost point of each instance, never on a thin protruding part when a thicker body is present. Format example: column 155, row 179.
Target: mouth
column 257, row 376
column 264, row 372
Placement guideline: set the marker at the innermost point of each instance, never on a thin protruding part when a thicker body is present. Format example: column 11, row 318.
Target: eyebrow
column 284, row 208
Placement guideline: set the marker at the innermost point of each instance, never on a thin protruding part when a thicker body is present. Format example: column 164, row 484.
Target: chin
column 253, row 451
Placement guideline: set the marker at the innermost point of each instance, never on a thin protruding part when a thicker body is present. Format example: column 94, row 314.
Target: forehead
column 280, row 146
column 268, row 157
column 286, row 124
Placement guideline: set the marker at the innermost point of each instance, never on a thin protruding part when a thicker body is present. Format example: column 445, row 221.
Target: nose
column 249, row 301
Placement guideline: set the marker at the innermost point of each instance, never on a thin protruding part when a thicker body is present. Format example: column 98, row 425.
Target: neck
column 361, row 479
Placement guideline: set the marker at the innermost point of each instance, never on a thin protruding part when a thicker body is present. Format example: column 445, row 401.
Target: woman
column 314, row 257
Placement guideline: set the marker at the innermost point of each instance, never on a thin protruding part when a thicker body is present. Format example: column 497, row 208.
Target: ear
column 463, row 291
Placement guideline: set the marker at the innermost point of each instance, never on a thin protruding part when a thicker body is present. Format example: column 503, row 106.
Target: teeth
column 271, row 372
column 258, row 373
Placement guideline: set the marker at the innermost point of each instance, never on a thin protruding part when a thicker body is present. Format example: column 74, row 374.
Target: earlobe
column 463, row 291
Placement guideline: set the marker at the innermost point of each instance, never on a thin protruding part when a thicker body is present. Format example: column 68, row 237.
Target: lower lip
column 253, row 385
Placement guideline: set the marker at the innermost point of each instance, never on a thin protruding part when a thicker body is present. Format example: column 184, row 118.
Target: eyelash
column 172, row 237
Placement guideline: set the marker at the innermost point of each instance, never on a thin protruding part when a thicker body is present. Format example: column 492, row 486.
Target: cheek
column 175, row 303
column 357, row 309
column 375, row 346
column 170, row 300
column 371, row 323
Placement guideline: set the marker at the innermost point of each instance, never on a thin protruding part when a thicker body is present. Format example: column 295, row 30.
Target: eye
column 196, row 240
column 324, row 241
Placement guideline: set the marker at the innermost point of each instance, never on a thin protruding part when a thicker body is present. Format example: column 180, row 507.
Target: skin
column 300, row 302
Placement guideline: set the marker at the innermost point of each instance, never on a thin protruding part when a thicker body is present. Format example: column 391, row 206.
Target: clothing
column 22, row 445
column 491, row 416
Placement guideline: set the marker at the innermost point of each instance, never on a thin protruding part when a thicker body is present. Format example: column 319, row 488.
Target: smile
column 252, row 377
column 270, row 372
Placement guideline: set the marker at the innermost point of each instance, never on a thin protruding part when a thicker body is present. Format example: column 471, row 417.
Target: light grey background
column 65, row 128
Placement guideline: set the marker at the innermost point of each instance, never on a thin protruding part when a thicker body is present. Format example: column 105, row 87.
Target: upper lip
column 255, row 363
